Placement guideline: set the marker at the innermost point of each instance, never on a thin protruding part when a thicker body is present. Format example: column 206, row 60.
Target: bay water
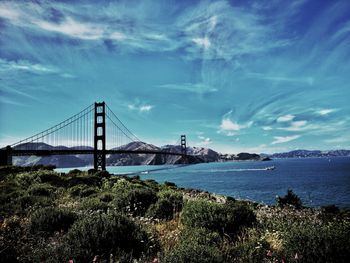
column 317, row 181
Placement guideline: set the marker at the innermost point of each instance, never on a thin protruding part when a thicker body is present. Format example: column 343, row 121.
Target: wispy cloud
column 231, row 128
column 281, row 139
column 198, row 88
column 324, row 112
column 24, row 65
column 73, row 29
column 204, row 140
column 285, row 118
column 140, row 107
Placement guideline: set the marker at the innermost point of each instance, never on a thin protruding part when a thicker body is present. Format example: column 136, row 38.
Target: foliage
column 41, row 190
column 318, row 243
column 228, row 218
column 169, row 203
column 104, row 234
column 50, row 219
column 289, row 199
column 53, row 217
column 196, row 245
column 170, row 184
column 136, row 201
column 82, row 190
column 93, row 204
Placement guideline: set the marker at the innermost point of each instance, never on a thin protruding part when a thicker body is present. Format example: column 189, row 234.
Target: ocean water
column 317, row 181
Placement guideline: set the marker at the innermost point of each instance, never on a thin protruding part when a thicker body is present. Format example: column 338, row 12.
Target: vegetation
column 47, row 216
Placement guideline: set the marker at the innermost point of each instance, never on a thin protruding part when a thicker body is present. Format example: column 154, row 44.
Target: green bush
column 41, row 190
column 52, row 178
column 49, row 220
column 169, row 203
column 136, row 201
column 27, row 179
column 102, row 174
column 289, row 199
column 89, row 180
column 318, row 243
column 170, row 184
column 223, row 218
column 106, row 197
column 104, row 234
column 82, row 191
column 93, row 204
column 27, row 201
column 196, row 245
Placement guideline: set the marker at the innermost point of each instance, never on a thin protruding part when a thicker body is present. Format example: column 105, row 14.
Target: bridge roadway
column 15, row 152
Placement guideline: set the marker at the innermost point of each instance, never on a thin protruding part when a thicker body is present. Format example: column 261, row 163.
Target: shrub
column 41, row 190
column 51, row 178
column 82, row 191
column 27, row 179
column 27, row 201
column 104, row 234
column 94, row 204
column 75, row 172
column 106, row 197
column 169, row 203
column 169, row 184
column 136, row 201
column 223, row 218
column 87, row 180
column 50, row 219
column 318, row 243
column 102, row 174
column 330, row 209
column 196, row 245
column 289, row 199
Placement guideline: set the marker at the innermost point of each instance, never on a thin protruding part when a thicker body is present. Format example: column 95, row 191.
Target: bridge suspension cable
column 74, row 131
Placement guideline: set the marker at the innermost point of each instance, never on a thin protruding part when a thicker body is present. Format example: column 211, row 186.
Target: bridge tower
column 183, row 145
column 100, row 136
column 6, row 156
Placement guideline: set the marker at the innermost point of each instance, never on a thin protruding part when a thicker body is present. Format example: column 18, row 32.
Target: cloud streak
column 284, row 139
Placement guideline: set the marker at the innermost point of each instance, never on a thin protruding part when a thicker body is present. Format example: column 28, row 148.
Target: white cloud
column 146, row 108
column 302, row 126
column 204, row 140
column 231, row 128
column 228, row 125
column 140, row 107
column 24, row 65
column 281, row 139
column 324, row 112
column 73, row 28
column 199, row 88
column 285, row 118
column 203, row 42
column 267, row 128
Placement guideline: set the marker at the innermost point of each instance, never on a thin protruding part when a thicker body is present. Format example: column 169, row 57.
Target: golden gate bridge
column 95, row 130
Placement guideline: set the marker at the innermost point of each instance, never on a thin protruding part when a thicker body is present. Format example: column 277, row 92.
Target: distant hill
column 310, row 153
column 200, row 155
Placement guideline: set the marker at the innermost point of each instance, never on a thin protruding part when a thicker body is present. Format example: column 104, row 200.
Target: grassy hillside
column 46, row 216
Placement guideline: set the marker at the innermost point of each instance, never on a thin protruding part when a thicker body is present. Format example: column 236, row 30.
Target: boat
column 270, row 168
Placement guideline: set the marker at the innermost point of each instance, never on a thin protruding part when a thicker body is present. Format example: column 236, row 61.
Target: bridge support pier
column 100, row 137
column 6, row 156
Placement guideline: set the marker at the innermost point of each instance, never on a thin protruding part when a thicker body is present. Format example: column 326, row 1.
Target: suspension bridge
column 96, row 130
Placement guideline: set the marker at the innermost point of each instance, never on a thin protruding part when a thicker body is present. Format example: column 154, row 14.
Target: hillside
column 311, row 153
column 47, row 216
column 63, row 161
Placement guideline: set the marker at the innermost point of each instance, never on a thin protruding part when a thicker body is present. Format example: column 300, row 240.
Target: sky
column 258, row 76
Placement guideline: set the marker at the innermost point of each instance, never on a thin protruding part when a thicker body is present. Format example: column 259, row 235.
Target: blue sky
column 257, row 76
